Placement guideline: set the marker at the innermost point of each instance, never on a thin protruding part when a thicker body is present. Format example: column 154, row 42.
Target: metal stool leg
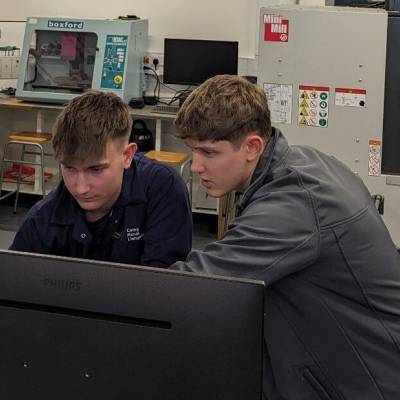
column 2, row 167
column 1, row 171
column 187, row 165
column 19, row 177
column 41, row 155
column 4, row 161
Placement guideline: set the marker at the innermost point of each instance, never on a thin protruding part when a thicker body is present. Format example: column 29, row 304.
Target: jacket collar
column 274, row 153
column 133, row 186
column 68, row 213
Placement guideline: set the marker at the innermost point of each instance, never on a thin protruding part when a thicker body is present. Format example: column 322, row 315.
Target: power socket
column 14, row 67
column 9, row 66
column 156, row 61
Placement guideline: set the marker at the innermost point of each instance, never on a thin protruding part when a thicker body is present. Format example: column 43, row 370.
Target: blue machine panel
column 114, row 62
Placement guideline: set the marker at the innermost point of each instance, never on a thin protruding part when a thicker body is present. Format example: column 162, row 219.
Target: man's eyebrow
column 102, row 164
column 204, row 147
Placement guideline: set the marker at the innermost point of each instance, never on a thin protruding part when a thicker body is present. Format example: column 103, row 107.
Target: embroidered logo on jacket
column 133, row 234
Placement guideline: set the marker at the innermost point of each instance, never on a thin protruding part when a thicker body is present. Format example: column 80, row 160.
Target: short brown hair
column 225, row 107
column 87, row 123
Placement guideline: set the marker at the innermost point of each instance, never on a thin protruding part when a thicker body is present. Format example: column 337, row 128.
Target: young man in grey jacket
column 306, row 225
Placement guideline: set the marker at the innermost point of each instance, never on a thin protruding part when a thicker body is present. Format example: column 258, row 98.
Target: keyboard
column 165, row 109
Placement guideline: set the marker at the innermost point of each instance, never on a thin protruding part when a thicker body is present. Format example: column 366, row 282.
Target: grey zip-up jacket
column 307, row 226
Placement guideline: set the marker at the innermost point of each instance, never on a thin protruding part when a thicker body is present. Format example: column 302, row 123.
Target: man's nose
column 81, row 184
column 197, row 165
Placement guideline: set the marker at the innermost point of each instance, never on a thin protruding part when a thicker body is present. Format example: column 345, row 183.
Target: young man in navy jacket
column 306, row 226
column 108, row 206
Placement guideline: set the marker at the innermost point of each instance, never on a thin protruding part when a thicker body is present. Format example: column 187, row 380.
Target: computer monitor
column 191, row 62
column 79, row 329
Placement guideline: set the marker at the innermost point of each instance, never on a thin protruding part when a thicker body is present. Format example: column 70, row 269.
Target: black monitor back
column 78, row 329
column 193, row 61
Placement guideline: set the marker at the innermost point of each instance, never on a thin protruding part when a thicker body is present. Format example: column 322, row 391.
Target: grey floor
column 205, row 226
column 6, row 238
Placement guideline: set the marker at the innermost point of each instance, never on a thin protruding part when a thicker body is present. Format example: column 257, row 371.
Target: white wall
column 235, row 20
column 200, row 19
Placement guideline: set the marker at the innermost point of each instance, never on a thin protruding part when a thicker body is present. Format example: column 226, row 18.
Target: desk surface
column 17, row 104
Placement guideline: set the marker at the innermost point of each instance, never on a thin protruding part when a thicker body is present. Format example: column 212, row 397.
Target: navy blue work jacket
column 150, row 223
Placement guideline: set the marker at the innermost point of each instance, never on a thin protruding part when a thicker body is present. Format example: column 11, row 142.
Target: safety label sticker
column 276, row 28
column 279, row 102
column 350, row 97
column 313, row 106
column 374, row 157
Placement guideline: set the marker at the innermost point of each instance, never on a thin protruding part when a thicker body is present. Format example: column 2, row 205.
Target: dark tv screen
column 191, row 62
column 80, row 329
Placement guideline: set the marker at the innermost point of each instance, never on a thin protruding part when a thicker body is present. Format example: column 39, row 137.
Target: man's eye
column 96, row 169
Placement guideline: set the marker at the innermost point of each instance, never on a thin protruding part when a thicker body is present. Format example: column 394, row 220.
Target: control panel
column 114, row 62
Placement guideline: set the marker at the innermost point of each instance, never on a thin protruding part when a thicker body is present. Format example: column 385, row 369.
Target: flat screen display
column 80, row 329
column 191, row 62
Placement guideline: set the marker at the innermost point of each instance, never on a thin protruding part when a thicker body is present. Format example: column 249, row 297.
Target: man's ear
column 254, row 147
column 129, row 153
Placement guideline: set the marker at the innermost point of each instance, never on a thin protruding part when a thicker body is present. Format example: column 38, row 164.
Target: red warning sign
column 276, row 29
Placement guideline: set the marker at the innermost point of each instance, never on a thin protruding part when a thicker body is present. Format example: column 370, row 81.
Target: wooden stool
column 179, row 160
column 28, row 143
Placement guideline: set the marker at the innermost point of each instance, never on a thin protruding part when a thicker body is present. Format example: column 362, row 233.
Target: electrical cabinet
column 391, row 120
column 323, row 70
